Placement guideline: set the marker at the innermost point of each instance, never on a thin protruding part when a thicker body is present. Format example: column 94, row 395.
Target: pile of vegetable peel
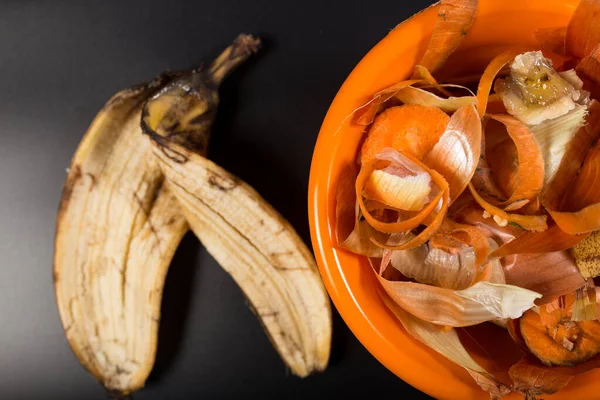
column 485, row 207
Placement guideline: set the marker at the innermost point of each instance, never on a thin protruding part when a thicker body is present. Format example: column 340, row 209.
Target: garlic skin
column 534, row 92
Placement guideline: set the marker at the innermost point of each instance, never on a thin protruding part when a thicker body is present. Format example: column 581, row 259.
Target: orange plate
column 351, row 284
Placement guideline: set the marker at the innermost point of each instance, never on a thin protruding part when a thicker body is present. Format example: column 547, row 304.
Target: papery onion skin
column 433, row 223
column 413, row 95
column 407, row 224
column 551, row 240
column 402, row 185
column 447, row 343
column 457, row 152
column 550, row 274
column 479, row 303
column 437, row 267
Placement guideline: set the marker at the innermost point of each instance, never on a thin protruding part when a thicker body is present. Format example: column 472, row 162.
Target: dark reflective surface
column 59, row 63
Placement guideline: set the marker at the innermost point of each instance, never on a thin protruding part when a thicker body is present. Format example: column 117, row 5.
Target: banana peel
column 118, row 227
column 137, row 182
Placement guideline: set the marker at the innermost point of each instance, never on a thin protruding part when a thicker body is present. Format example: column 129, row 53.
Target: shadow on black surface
column 179, row 282
column 228, row 96
column 339, row 339
column 175, row 302
column 261, row 170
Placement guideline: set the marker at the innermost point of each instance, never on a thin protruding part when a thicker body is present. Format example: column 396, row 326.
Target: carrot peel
column 577, row 210
column 487, row 79
column 431, row 228
column 457, row 152
column 405, row 225
column 411, row 129
column 528, row 222
column 455, row 17
column 583, row 31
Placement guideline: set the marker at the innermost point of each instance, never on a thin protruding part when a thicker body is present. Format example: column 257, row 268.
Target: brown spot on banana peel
column 223, row 183
column 242, row 47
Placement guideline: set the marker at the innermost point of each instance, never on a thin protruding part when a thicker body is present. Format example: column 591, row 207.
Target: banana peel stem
column 242, row 47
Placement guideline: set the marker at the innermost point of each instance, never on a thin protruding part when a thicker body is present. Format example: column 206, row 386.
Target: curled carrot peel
column 433, row 227
column 410, row 129
column 582, row 221
column 457, row 151
column 495, row 105
column 502, row 158
column 445, row 242
column 534, row 206
column 487, row 79
column 465, row 234
column 408, row 224
column 575, row 205
column 485, row 183
column 583, row 32
column 530, row 174
column 586, row 187
column 455, row 17
column 528, row 222
column 550, row 240
column 521, row 178
column 573, row 159
column 588, row 69
column 476, row 239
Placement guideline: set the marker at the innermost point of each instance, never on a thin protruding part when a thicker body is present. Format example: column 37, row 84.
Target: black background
column 59, row 63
